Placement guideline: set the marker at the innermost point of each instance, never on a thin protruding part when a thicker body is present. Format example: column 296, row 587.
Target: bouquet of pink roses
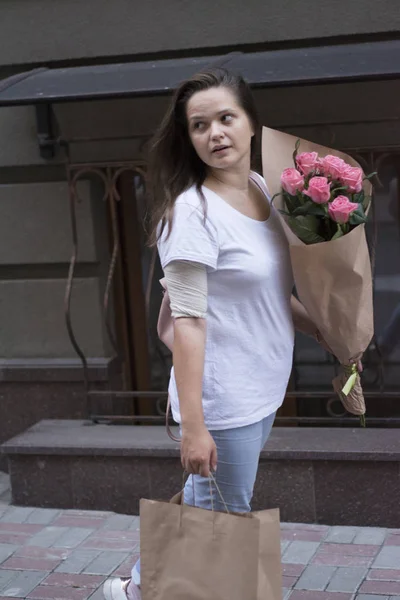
column 324, row 197
column 323, row 203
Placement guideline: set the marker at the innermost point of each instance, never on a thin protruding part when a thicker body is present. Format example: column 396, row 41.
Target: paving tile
column 77, row 561
column 384, row 574
column 292, row 570
column 106, row 563
column 390, row 588
column 17, row 514
column 115, row 534
column 20, row 528
column 104, row 543
column 370, row 535
column 71, row 521
column 125, row 568
column 300, row 552
column 85, row 513
column 74, row 580
column 369, row 597
column 43, row 516
column 30, row 564
column 347, row 579
column 313, row 595
column 341, row 535
column 98, row 595
column 288, row 582
column 5, row 577
column 43, row 553
column 388, row 557
column 45, row 592
column 19, row 539
column 135, row 524
column 6, row 550
column 303, row 526
column 23, row 583
column 284, row 545
column 72, row 537
column 339, row 560
column 120, row 522
column 392, row 540
column 349, row 549
column 315, row 577
column 47, row 537
column 302, row 535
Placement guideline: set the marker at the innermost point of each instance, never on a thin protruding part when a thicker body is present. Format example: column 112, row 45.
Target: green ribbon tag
column 350, row 383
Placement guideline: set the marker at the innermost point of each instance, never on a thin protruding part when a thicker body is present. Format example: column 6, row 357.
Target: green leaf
column 317, row 210
column 303, row 209
column 339, row 233
column 310, row 221
column 306, row 229
column 358, row 216
column 284, row 212
column 365, row 202
column 309, row 208
column 296, row 149
column 359, row 211
column 292, row 202
column 358, row 197
column 356, row 219
column 370, row 175
column 340, row 189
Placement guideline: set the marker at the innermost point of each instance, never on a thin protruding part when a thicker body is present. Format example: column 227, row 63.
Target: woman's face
column 219, row 128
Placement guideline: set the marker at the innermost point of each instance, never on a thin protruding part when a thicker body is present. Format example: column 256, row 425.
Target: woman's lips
column 220, row 149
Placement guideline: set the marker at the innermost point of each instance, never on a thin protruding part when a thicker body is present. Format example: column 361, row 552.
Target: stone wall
column 45, row 31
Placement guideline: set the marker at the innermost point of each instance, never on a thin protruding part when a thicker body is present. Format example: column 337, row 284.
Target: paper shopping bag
column 188, row 553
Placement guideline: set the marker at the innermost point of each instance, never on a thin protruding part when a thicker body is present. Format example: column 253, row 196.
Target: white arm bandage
column 187, row 288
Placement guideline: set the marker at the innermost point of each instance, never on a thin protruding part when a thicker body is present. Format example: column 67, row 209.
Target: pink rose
column 341, row 209
column 319, row 190
column 307, row 162
column 353, row 177
column 292, row 181
column 333, row 166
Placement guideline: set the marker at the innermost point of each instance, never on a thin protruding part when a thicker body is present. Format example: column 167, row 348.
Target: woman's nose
column 216, row 131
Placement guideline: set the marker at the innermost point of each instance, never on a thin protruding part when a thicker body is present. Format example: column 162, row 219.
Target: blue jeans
column 238, row 456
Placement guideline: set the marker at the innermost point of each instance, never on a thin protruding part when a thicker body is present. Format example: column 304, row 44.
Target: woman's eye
column 227, row 118
column 198, row 125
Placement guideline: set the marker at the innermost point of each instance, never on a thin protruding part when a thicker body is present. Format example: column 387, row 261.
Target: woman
column 228, row 275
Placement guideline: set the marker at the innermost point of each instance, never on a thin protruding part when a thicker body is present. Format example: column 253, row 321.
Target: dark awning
column 375, row 60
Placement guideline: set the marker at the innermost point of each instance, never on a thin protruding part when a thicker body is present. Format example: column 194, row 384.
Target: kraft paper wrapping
column 333, row 279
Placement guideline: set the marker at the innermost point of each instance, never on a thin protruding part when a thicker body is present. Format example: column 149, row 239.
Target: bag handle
column 211, row 479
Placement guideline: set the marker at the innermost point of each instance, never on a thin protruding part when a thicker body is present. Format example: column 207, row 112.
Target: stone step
column 332, row 476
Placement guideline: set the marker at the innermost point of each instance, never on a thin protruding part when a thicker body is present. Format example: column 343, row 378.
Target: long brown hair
column 174, row 165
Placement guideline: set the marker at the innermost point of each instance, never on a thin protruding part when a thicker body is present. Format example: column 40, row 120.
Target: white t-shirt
column 250, row 333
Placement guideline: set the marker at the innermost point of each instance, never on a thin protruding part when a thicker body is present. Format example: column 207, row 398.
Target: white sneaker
column 116, row 589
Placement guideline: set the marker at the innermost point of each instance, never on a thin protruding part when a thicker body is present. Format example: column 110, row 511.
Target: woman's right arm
column 198, row 450
column 186, row 283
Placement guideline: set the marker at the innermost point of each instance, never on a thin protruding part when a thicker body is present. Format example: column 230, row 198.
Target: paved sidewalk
column 67, row 554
